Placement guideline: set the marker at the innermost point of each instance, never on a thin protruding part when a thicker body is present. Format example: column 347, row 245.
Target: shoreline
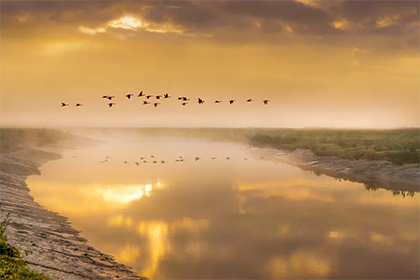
column 373, row 173
column 46, row 240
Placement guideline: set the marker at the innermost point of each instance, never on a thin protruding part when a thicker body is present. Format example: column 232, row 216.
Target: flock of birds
column 153, row 159
column 183, row 100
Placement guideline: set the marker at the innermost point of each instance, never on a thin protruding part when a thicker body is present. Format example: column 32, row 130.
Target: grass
column 400, row 146
column 12, row 139
column 12, row 266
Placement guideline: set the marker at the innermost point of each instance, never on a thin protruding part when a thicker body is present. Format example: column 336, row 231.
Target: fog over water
column 243, row 217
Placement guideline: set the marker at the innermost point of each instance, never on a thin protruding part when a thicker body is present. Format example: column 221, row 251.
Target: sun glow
column 127, row 22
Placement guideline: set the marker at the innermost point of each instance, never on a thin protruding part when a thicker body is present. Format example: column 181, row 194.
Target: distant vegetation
column 398, row 145
column 12, row 266
column 12, row 139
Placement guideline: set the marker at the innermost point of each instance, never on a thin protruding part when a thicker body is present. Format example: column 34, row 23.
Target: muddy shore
column 46, row 240
column 374, row 174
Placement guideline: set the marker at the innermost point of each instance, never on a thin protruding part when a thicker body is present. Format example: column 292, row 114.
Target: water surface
column 243, row 217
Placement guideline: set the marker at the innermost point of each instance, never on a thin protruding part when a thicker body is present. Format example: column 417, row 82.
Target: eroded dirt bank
column 374, row 174
column 46, row 240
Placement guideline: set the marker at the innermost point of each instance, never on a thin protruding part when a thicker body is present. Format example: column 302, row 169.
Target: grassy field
column 399, row 146
column 12, row 266
column 12, row 139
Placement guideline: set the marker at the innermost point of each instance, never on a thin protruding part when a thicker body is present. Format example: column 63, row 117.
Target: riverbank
column 45, row 239
column 373, row 173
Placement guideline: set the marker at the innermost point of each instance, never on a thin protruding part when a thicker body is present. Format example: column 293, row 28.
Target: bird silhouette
column 110, row 97
column 154, row 161
column 231, row 101
column 152, row 156
column 184, row 103
column 249, row 100
column 213, row 158
column 105, row 96
column 129, row 95
column 266, row 101
column 64, row 104
column 197, row 158
column 162, row 161
column 145, row 102
column 144, row 161
column 155, row 104
column 111, row 104
column 185, row 99
column 137, row 163
column 180, row 98
column 148, row 96
column 126, row 162
column 166, row 95
column 140, row 94
column 200, row 101
column 158, row 96
column 217, row 101
column 227, row 157
column 245, row 158
column 79, row 104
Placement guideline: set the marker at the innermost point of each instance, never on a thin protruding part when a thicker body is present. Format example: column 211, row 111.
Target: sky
column 338, row 64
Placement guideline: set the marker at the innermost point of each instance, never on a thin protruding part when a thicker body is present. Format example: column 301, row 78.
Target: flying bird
column 158, row 96
column 64, row 104
column 162, row 161
column 126, row 162
column 137, row 163
column 110, row 97
column 155, row 104
column 231, row 101
column 266, row 101
column 148, row 96
column 111, row 104
column 184, row 103
column 79, row 104
column 200, row 101
column 217, row 101
column 227, row 157
column 180, row 98
column 249, row 100
column 145, row 102
column 140, row 94
column 129, row 95
column 185, row 99
column 213, row 158
column 197, row 158
column 166, row 95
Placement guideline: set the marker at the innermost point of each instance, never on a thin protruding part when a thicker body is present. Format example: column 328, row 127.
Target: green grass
column 12, row 139
column 399, row 146
column 12, row 266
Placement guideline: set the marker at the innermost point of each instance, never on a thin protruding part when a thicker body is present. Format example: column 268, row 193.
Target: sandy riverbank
column 46, row 240
column 374, row 174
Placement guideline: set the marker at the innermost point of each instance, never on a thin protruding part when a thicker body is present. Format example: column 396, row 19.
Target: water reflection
column 228, row 219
